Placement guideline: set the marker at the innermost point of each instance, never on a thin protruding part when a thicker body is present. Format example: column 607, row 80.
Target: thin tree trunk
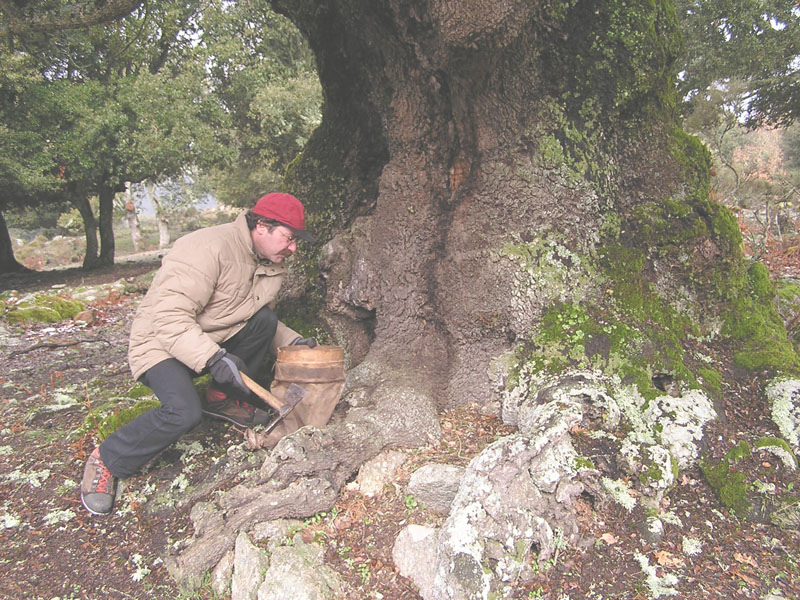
column 8, row 264
column 160, row 214
column 81, row 202
column 107, row 245
column 132, row 218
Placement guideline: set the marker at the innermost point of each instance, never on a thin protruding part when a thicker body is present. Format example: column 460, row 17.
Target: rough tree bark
column 461, row 130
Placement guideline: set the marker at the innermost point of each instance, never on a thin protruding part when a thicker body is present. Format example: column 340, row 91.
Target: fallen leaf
column 746, row 559
column 665, row 559
column 750, row 580
column 609, row 538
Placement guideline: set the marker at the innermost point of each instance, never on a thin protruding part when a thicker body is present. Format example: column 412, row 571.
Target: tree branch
column 72, row 16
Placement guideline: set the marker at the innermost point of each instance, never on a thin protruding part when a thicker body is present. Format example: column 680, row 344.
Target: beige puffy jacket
column 209, row 284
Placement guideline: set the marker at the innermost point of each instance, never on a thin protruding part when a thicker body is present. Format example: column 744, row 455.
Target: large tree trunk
column 504, row 129
column 8, row 264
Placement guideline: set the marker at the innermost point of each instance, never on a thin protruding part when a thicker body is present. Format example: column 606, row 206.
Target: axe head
column 294, row 394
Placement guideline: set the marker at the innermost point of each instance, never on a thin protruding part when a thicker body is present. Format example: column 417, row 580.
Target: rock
column 516, row 497
column 221, row 574
column 414, row 555
column 783, row 396
column 248, row 565
column 274, row 533
column 435, row 486
column 86, row 316
column 377, row 472
column 682, row 419
column 652, row 530
column 298, row 572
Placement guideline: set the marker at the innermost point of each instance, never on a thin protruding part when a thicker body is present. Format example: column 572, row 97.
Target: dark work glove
column 224, row 368
column 310, row 342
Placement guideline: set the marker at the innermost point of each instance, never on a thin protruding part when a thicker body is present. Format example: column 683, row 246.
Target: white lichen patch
column 788, row 459
column 141, row 569
column 545, row 272
column 671, row 518
column 180, row 483
column 662, row 435
column 658, row 586
column 763, row 488
column 6, row 450
column 682, row 420
column 620, row 492
column 783, row 396
column 691, row 546
column 60, row 400
column 189, row 450
column 655, row 526
column 56, row 517
column 32, row 478
column 9, row 520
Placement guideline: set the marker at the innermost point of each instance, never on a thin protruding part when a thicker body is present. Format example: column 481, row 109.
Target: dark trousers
column 127, row 449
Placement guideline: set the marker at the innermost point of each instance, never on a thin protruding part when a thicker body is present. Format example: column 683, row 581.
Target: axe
column 294, row 394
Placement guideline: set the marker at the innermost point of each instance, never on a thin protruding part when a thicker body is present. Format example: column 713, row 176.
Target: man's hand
column 224, row 368
column 310, row 342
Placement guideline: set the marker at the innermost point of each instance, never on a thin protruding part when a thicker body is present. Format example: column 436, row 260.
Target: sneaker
column 98, row 486
column 220, row 406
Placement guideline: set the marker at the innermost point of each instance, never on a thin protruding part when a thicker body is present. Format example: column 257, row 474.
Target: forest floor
column 52, row 375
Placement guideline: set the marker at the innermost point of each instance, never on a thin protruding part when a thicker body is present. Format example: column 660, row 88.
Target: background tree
column 263, row 74
column 753, row 41
column 127, row 103
column 26, row 170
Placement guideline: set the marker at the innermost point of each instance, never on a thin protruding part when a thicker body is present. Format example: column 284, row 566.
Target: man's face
column 275, row 245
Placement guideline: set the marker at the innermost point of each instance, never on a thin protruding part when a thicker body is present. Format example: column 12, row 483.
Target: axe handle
column 262, row 393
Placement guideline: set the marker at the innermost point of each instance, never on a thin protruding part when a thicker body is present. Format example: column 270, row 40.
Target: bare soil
column 52, row 548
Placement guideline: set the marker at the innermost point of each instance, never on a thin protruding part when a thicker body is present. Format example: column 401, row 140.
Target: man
column 208, row 310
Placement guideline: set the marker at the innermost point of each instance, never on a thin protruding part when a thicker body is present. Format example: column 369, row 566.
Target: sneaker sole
column 94, row 512
column 231, row 420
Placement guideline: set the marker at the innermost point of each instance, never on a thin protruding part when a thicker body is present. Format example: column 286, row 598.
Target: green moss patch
column 105, row 420
column 757, row 329
column 728, row 485
column 42, row 308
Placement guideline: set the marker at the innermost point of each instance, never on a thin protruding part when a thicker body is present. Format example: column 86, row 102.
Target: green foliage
column 753, row 41
column 739, row 452
column 264, row 77
column 622, row 54
column 712, row 381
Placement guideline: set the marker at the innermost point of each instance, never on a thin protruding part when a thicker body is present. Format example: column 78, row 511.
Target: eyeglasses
column 290, row 239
